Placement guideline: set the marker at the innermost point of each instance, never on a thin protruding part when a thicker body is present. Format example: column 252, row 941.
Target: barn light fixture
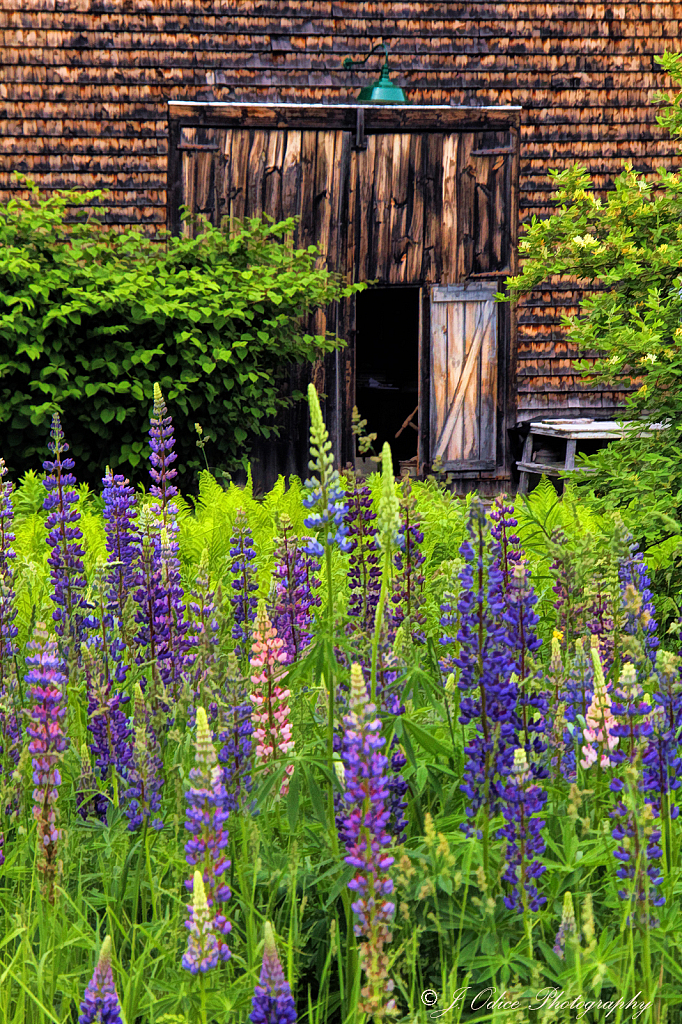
column 383, row 90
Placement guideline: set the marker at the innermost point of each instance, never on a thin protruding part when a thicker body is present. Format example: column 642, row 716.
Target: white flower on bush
column 585, row 240
column 650, row 357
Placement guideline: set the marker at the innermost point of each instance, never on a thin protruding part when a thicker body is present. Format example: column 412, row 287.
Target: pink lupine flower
column 600, row 722
column 271, row 715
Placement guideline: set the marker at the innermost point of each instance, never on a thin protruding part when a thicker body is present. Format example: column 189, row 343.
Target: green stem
column 202, row 990
column 378, row 623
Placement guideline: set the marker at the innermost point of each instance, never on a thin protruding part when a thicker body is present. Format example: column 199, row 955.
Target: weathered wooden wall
column 85, row 83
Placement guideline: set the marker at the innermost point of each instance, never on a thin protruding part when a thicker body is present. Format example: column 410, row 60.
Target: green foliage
column 632, row 246
column 91, row 317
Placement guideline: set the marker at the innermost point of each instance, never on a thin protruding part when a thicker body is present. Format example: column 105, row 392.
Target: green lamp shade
column 383, row 91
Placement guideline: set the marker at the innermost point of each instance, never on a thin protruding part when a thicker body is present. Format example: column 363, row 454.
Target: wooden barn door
column 463, row 406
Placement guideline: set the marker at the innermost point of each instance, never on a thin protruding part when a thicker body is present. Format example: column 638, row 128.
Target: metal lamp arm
column 349, row 62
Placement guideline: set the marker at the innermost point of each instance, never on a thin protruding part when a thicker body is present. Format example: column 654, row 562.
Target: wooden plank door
column 463, row 392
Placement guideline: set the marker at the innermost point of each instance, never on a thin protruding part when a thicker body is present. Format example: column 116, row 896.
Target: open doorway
column 387, row 368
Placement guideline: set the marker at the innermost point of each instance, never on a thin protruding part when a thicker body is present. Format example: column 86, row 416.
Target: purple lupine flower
column 576, row 698
column 175, row 652
column 162, row 457
column 485, row 669
column 325, row 494
column 64, row 537
column 244, row 585
column 8, row 612
column 633, row 571
column 631, row 714
column 522, row 800
column 148, row 593
column 364, row 832
column 207, row 814
column 100, row 1003
column 235, row 754
column 89, row 801
column 521, row 619
column 506, row 544
column 48, row 709
column 296, row 576
column 203, row 951
column 142, row 798
column 567, row 928
column 272, row 1001
column 123, row 540
column 639, row 835
column 600, row 624
column 408, row 582
column 107, row 723
column 661, row 761
column 364, row 571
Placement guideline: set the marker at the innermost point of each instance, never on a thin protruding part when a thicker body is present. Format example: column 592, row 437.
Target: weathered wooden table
column 569, row 431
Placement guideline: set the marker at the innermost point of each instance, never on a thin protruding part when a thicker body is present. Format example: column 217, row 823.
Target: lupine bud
column 326, row 497
column 207, row 815
column 567, row 928
column 100, row 1002
column 272, row 1001
column 202, row 947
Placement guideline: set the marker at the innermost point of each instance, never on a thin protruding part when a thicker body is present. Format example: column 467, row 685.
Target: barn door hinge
column 187, row 145
column 360, row 138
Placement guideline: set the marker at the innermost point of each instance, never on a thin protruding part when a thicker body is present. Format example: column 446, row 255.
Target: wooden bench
column 569, row 431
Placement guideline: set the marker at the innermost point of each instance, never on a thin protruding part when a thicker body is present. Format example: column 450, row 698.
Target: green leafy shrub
column 91, row 317
column 632, row 246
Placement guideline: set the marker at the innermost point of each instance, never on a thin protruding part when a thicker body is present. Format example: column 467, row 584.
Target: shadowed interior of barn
column 86, row 85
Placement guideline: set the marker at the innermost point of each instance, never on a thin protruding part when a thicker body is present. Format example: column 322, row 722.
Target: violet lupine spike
column 296, row 576
column 632, row 714
column 271, row 715
column 67, row 574
column 577, row 698
column 661, row 761
column 149, row 595
column 244, row 584
column 522, row 800
column 532, row 701
column 123, row 539
column 235, row 754
column 568, row 931
column 8, row 612
column 408, row 582
column 364, row 570
column 366, row 815
column 638, row 833
column 272, row 1001
column 485, row 670
column 48, row 742
column 506, row 544
column 175, row 654
column 203, row 951
column 207, row 814
column 142, row 798
column 634, row 571
column 100, row 1003
column 107, row 723
column 162, row 457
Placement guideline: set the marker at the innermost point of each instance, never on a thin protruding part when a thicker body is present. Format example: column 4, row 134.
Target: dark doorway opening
column 387, row 367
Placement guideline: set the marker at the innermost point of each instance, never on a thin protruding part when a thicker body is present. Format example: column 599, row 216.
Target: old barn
column 243, row 108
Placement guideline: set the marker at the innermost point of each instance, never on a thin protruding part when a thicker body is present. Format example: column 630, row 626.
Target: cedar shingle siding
column 85, row 85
